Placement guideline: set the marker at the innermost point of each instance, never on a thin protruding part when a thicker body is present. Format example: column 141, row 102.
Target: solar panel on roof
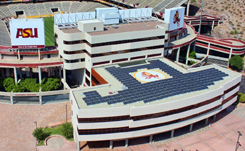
column 148, row 92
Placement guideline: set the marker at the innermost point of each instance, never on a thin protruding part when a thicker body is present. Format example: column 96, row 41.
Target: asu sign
column 175, row 17
column 27, row 33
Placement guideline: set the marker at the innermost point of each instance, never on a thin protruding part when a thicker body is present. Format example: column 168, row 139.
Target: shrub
column 236, row 62
column 192, row 54
column 232, row 32
column 40, row 134
column 67, row 130
column 27, row 85
column 241, row 97
column 49, row 84
column 8, row 84
column 192, row 62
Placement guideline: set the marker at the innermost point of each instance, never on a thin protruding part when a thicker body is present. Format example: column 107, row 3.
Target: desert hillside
column 232, row 13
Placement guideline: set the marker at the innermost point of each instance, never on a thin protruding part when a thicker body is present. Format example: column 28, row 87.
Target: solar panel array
column 156, row 90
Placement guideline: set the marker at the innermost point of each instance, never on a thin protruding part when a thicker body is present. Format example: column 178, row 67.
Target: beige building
column 136, row 91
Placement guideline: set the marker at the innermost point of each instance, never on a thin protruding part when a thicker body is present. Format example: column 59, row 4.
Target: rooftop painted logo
column 145, row 76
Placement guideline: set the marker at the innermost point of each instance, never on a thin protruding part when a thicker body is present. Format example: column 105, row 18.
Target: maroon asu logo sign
column 176, row 18
column 27, row 33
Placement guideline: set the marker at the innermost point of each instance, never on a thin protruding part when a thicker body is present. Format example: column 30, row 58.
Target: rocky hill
column 232, row 13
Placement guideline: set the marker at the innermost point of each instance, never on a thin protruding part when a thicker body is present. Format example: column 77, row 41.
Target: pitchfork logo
column 148, row 75
column 176, row 18
column 27, row 33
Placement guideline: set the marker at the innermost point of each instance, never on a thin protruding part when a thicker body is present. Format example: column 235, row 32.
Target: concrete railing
column 34, row 97
column 198, row 64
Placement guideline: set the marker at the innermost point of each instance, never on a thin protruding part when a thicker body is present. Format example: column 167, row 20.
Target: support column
column 177, row 37
column 208, row 48
column 48, row 71
column 150, row 139
column 212, row 25
column 172, row 133
column 214, row 117
column 39, row 54
column 64, row 74
column 206, row 121
column 111, row 144
column 230, row 53
column 187, row 54
column 126, row 143
column 78, row 145
column 40, row 74
column 191, row 127
column 188, row 8
column 11, row 100
column 18, row 53
column 40, row 100
column 15, row 75
column 177, row 56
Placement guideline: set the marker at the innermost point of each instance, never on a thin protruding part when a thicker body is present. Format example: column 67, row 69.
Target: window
column 94, row 28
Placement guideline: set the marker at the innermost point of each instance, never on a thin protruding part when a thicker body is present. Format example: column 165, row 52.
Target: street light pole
column 238, row 143
column 66, row 113
column 36, row 124
column 37, row 133
column 199, row 29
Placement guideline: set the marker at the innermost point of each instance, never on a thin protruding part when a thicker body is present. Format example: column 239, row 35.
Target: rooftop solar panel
column 156, row 90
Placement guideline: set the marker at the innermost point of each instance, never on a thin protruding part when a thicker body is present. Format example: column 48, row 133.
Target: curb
column 65, row 140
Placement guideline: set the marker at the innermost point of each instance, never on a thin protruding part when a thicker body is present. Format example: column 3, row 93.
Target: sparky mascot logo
column 176, row 18
column 27, row 33
column 148, row 75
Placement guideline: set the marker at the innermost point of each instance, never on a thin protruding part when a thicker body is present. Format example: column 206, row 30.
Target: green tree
column 241, row 97
column 232, row 32
column 27, row 85
column 192, row 54
column 67, row 130
column 236, row 62
column 49, row 84
column 9, row 84
column 40, row 134
column 19, row 88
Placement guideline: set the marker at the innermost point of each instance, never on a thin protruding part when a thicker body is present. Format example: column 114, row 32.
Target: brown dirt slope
column 232, row 13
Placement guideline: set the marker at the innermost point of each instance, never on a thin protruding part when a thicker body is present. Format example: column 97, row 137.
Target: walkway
column 58, row 144
column 17, row 123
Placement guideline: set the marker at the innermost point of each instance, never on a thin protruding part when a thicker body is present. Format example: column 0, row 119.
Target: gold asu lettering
column 26, row 33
